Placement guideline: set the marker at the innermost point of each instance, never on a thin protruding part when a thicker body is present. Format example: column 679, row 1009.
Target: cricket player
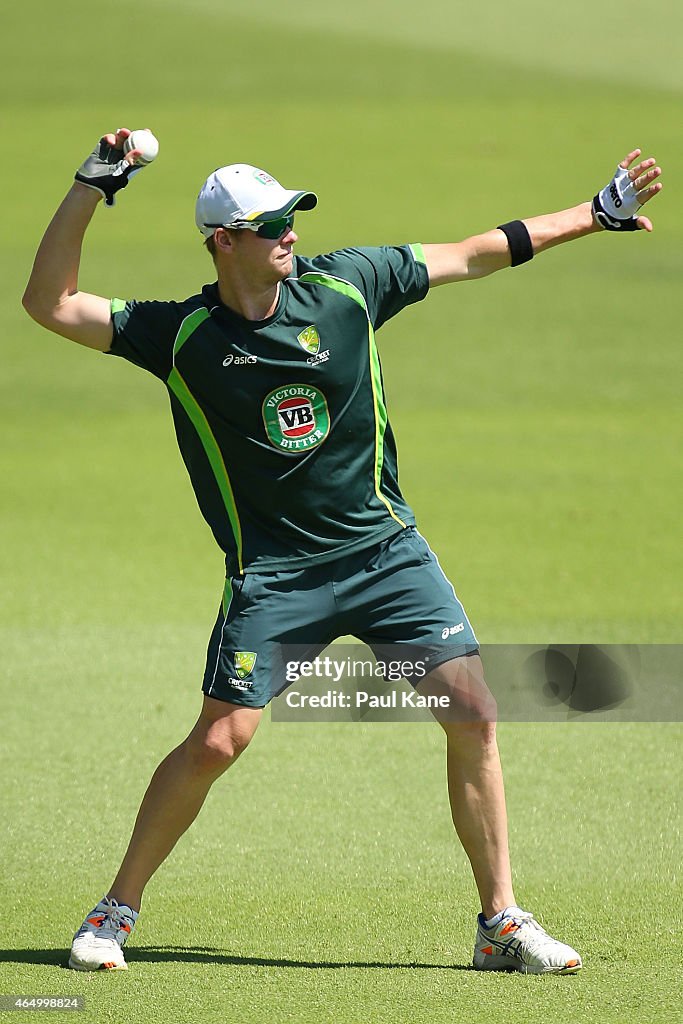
column 279, row 409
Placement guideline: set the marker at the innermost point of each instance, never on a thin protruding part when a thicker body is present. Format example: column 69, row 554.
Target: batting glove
column 106, row 171
column 616, row 206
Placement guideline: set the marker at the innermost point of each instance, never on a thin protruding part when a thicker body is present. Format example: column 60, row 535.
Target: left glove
column 616, row 206
column 106, row 171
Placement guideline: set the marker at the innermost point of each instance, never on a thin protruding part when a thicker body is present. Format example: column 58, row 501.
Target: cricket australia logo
column 296, row 418
column 244, row 663
column 309, row 339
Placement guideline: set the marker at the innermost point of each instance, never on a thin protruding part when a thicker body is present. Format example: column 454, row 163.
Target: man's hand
column 107, row 170
column 616, row 207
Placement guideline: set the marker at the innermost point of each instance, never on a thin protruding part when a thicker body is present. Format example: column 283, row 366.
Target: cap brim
column 295, row 201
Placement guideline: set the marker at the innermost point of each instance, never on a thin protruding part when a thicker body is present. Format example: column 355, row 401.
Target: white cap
column 239, row 193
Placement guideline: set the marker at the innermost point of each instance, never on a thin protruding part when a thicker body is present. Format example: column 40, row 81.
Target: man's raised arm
column 52, row 297
column 615, row 208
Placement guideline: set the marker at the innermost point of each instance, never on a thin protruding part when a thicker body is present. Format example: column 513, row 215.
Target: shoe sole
column 107, row 966
column 505, row 963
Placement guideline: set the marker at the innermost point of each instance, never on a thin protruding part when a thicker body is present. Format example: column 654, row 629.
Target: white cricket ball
column 143, row 140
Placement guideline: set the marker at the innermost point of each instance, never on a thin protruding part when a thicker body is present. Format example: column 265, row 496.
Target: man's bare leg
column 514, row 941
column 475, row 778
column 177, row 791
column 477, row 798
column 173, row 799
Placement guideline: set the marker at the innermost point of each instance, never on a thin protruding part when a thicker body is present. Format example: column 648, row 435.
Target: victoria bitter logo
column 296, row 418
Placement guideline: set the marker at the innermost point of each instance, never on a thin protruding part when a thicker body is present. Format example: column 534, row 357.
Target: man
column 278, row 404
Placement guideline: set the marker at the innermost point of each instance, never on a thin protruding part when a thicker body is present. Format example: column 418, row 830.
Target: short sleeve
column 390, row 277
column 144, row 334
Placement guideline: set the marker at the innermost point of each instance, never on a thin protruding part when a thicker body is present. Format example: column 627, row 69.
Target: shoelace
column 114, row 918
column 534, row 935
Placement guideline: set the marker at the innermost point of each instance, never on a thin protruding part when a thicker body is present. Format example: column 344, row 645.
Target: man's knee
column 218, row 739
column 468, row 706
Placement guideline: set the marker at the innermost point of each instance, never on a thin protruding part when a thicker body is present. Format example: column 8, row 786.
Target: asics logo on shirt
column 232, row 360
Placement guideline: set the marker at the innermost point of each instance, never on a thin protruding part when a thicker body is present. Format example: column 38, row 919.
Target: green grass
column 322, row 880
column 536, row 417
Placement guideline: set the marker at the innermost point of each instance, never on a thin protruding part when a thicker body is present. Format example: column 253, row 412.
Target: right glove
column 616, row 206
column 106, row 171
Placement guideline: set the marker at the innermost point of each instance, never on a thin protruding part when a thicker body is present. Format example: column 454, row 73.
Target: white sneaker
column 518, row 943
column 97, row 943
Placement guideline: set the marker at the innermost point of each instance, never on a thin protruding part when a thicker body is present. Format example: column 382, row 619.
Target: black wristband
column 519, row 240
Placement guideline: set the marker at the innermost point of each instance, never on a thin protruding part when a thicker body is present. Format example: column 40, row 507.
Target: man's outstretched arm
column 481, row 255
column 52, row 296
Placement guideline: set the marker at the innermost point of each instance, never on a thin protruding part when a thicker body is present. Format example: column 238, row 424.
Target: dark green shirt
column 282, row 422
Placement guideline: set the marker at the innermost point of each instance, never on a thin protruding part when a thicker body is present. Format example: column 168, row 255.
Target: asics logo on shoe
column 100, row 919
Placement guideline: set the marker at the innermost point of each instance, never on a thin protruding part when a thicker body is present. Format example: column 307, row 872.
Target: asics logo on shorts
column 452, row 630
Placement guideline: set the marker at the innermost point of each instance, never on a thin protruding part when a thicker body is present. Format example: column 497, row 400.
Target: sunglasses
column 271, row 229
column 275, row 228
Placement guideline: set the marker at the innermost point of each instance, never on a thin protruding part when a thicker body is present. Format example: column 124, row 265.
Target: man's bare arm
column 52, row 297
column 484, row 254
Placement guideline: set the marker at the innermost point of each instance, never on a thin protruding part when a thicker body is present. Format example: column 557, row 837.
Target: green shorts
column 393, row 593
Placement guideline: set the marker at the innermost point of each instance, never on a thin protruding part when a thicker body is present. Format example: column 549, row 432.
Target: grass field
column 538, row 428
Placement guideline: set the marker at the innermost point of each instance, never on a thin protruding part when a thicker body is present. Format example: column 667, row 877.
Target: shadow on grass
column 210, row 955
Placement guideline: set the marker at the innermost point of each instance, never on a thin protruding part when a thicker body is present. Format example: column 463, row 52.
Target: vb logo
column 295, row 414
column 296, row 418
